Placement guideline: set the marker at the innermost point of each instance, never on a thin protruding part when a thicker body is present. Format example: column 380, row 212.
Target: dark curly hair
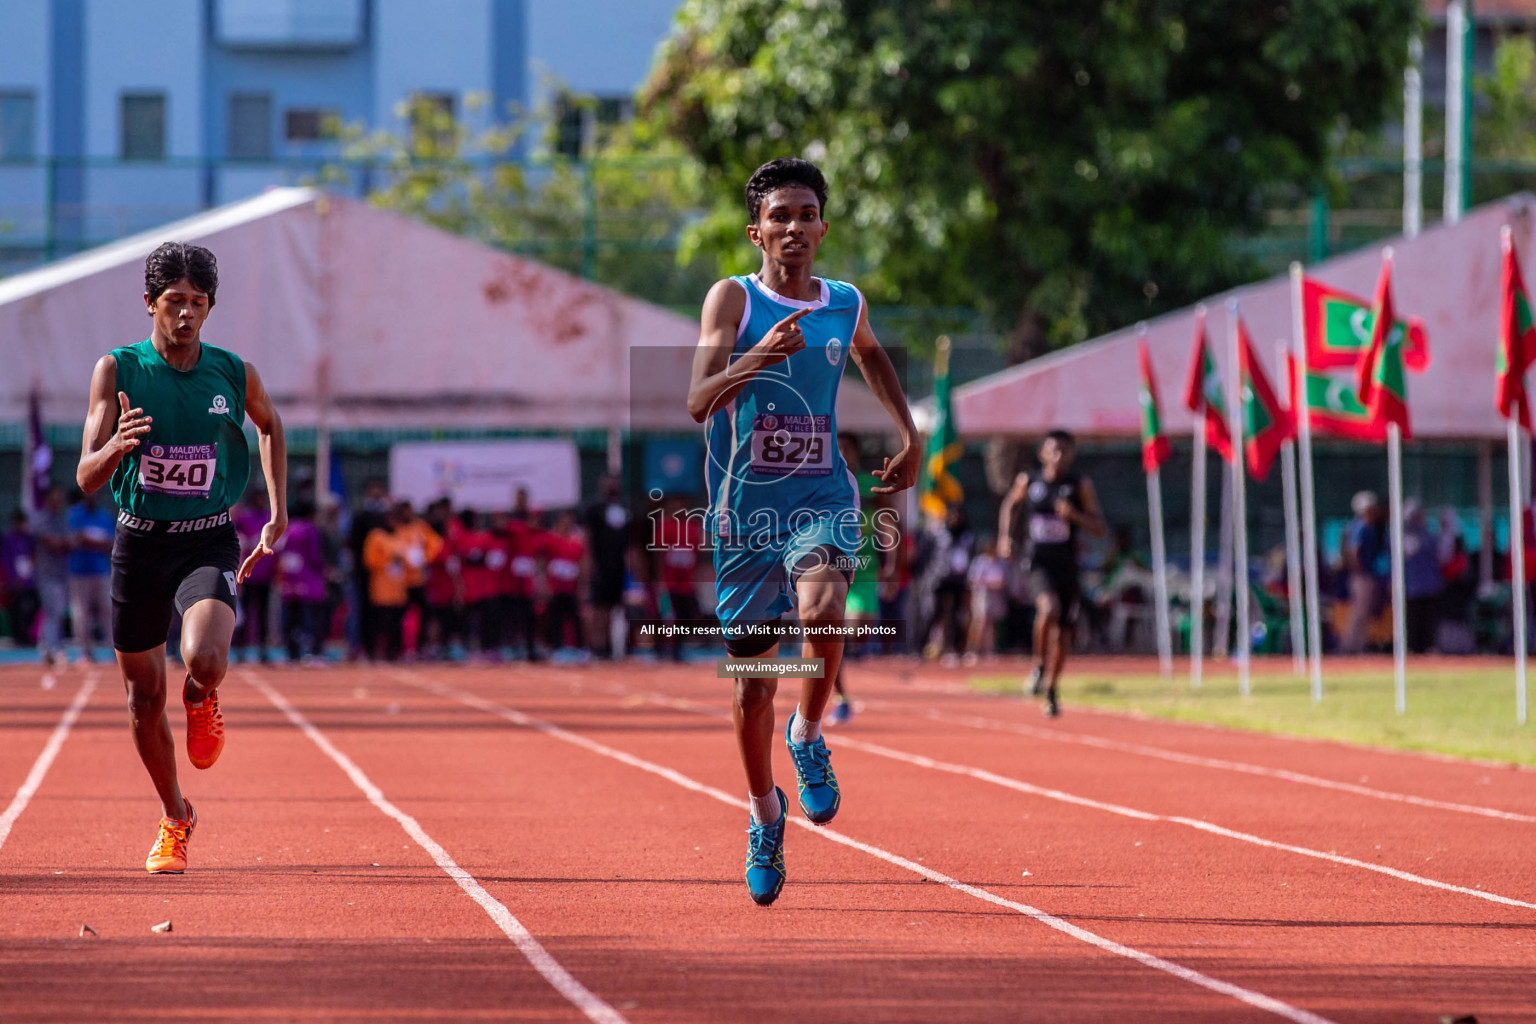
column 176, row 260
column 782, row 172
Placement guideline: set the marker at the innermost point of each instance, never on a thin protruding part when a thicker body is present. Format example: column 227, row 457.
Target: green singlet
column 194, row 461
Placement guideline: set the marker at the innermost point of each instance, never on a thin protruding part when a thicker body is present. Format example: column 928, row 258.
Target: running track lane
column 17, row 747
column 303, row 902
column 1344, row 942
column 587, row 845
column 1482, row 858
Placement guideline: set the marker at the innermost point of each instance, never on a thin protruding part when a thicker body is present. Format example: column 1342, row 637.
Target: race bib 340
column 184, row 470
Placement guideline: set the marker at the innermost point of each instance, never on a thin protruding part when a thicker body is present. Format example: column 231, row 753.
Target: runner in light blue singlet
column 779, row 488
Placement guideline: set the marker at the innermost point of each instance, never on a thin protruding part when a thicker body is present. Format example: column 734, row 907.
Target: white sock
column 766, row 808
column 803, row 730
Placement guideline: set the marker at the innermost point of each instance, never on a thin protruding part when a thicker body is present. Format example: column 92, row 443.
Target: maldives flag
column 1155, row 447
column 1338, row 325
column 1266, row 424
column 1517, row 343
column 1202, row 394
column 1380, row 378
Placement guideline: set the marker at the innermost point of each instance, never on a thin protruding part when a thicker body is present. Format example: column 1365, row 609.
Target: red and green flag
column 1380, row 376
column 938, row 489
column 1202, row 392
column 1155, row 447
column 1338, row 325
column 1267, row 425
column 1517, row 342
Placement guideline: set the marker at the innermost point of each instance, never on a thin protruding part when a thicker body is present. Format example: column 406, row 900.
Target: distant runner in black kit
column 1058, row 504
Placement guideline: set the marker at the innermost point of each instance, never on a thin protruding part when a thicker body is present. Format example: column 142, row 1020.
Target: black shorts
column 1061, row 580
column 155, row 570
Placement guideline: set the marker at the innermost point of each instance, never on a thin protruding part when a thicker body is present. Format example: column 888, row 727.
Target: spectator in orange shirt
column 384, row 559
column 422, row 546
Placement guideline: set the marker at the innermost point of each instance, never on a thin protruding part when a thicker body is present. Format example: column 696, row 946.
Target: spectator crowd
column 385, row 580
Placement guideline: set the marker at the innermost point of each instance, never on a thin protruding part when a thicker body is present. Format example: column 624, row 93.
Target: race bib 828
column 183, row 470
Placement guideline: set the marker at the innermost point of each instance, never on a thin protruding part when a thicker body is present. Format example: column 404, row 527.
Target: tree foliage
column 615, row 217
column 1068, row 167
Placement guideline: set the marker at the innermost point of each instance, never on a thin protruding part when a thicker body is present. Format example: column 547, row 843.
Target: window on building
column 143, row 126
column 18, row 112
column 431, row 116
column 250, row 126
column 310, row 124
column 581, row 121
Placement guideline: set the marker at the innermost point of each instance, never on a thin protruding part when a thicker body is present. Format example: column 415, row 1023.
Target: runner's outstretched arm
column 274, row 464
column 1005, row 514
column 874, row 363
column 716, row 380
column 111, row 428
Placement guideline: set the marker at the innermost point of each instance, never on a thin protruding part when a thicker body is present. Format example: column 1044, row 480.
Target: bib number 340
column 185, row 471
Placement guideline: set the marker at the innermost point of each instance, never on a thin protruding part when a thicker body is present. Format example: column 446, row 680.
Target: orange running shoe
column 205, row 731
column 169, row 854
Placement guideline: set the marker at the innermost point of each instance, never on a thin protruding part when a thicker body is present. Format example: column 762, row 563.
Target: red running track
column 565, row 844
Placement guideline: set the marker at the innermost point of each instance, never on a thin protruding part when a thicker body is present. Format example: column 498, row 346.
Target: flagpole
column 1155, row 512
column 1239, row 505
column 1517, row 563
column 1221, row 643
column 1395, row 506
column 1160, row 572
column 1292, row 544
column 1308, row 498
column 1517, row 530
column 1197, row 559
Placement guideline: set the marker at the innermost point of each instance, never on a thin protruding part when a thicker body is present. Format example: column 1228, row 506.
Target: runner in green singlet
column 166, row 429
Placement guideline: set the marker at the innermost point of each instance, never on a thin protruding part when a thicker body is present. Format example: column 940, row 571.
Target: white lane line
column 1119, row 746
column 562, row 980
column 1257, row 1000
column 981, row 774
column 44, row 760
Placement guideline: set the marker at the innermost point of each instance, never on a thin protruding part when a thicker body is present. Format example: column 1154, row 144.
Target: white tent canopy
column 374, row 320
column 1448, row 275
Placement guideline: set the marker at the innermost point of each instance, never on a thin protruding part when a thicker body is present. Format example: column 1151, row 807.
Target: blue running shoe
column 819, row 795
column 841, row 715
column 765, row 855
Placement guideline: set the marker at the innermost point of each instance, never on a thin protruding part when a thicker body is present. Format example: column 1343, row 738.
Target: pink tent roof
column 1448, row 276
column 409, row 325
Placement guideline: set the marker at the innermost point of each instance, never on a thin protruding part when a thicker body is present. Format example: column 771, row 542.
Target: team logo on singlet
column 1038, row 490
column 220, row 405
column 834, row 350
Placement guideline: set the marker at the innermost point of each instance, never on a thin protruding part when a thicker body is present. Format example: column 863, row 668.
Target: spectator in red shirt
column 525, row 535
column 565, row 564
column 443, row 624
column 680, row 539
column 482, row 561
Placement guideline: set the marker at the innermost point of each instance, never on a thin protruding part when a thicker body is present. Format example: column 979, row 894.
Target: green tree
column 1066, row 167
column 615, row 217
